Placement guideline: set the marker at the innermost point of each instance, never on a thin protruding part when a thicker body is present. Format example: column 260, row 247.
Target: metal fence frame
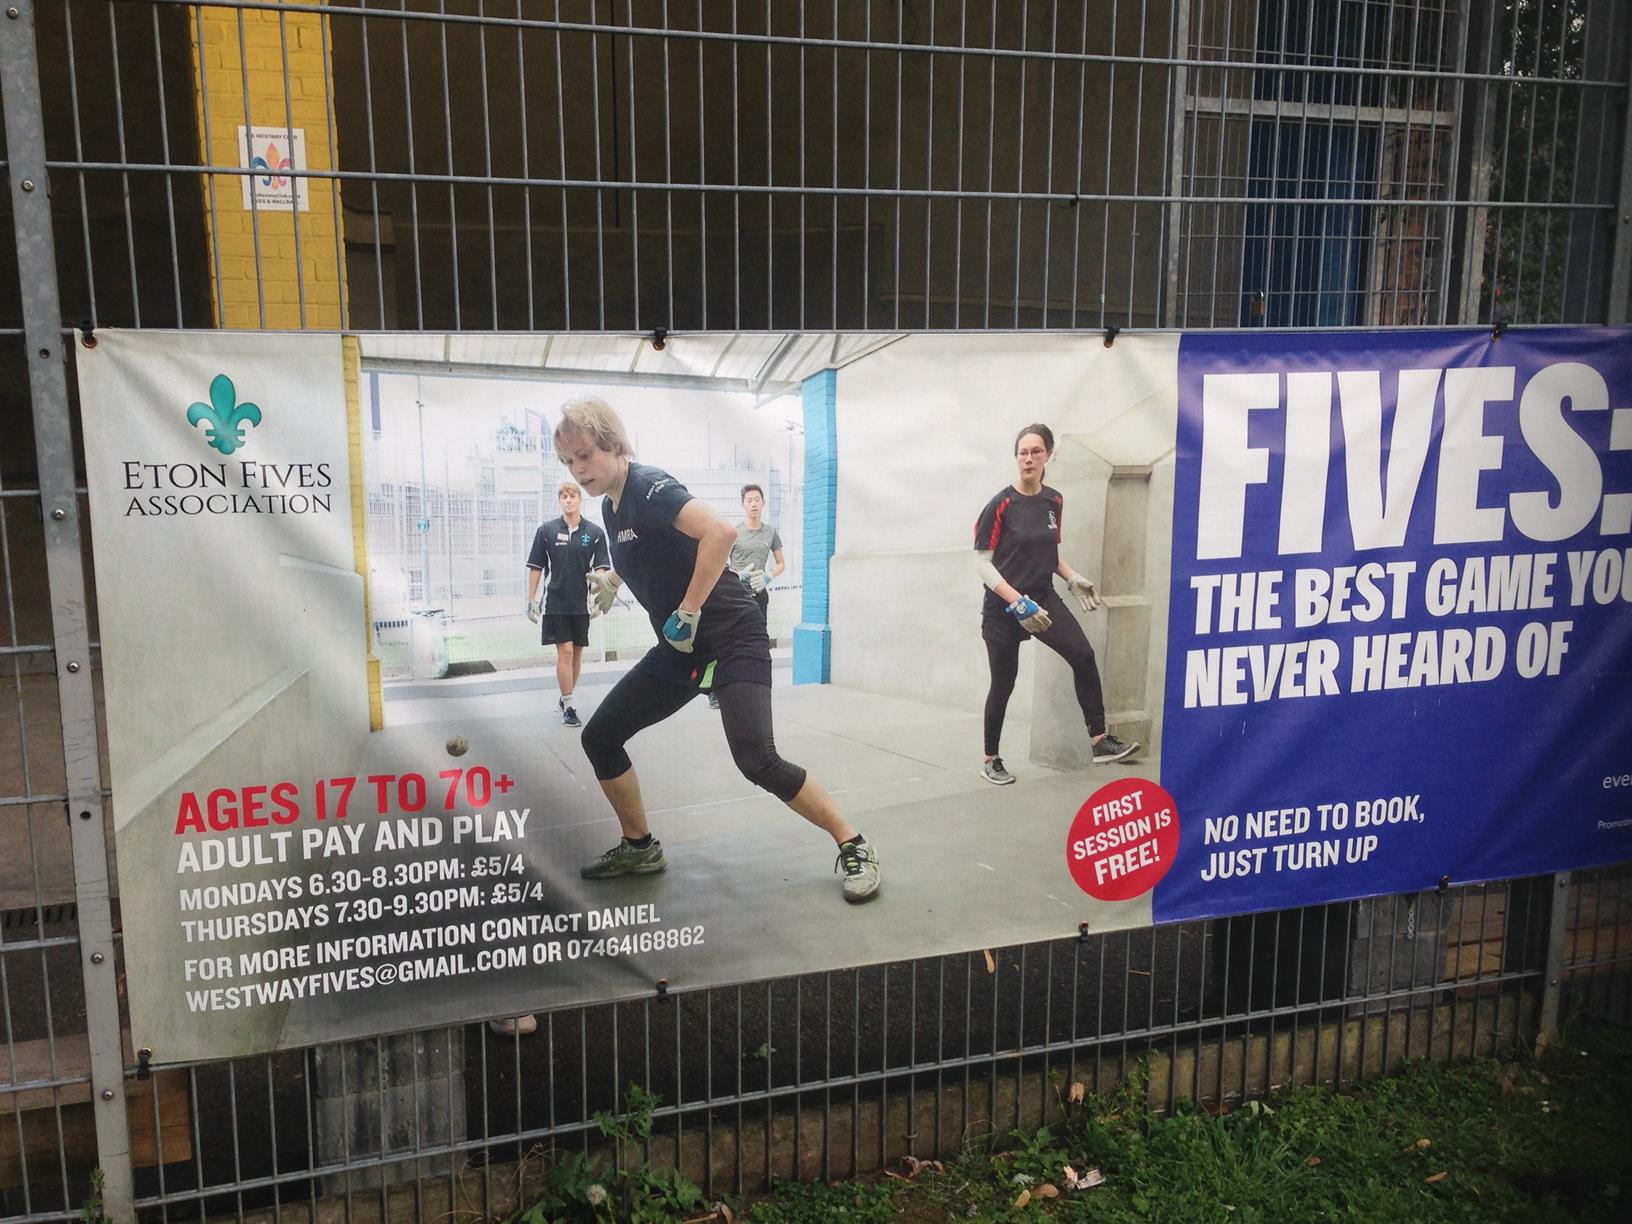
column 920, row 1056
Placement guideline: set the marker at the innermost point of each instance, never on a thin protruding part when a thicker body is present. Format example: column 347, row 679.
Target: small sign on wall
column 272, row 153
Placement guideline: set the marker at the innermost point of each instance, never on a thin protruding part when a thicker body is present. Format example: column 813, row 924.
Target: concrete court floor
column 966, row 865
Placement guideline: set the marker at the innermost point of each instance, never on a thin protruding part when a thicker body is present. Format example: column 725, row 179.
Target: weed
column 90, row 1211
column 817, row 1203
column 1494, row 1139
column 580, row 1190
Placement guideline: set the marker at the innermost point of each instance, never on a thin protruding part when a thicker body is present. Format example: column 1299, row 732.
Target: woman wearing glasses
column 1017, row 544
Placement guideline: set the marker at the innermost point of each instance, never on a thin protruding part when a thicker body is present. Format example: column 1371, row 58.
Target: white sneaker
column 994, row 773
column 860, row 867
column 515, row 1026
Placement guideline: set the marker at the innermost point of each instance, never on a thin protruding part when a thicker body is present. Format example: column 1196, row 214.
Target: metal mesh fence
column 629, row 165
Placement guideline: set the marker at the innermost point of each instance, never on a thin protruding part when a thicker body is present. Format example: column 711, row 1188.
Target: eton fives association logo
column 224, row 418
column 166, row 485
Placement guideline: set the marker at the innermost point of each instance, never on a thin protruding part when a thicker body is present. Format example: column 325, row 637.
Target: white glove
column 603, row 591
column 1083, row 589
column 1032, row 617
column 755, row 579
column 534, row 608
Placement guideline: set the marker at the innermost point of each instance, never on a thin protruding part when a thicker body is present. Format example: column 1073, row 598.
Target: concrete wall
column 926, row 430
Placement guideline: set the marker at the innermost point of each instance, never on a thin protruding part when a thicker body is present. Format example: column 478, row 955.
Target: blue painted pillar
column 813, row 636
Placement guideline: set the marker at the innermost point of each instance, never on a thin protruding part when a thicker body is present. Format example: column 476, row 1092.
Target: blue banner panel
column 1400, row 638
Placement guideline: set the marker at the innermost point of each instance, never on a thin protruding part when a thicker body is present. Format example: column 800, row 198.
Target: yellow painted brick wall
column 255, row 273
column 351, row 355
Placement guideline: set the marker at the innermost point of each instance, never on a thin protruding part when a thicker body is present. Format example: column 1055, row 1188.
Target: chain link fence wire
column 601, row 166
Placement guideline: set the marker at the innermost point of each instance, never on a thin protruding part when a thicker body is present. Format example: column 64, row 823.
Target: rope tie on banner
column 87, row 333
column 1444, row 885
column 660, row 338
column 1082, row 932
column 144, row 1056
column 1112, row 331
column 662, row 990
column 1496, row 332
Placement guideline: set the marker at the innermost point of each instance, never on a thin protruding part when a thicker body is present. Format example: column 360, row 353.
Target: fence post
column 1179, row 93
column 1552, row 977
column 1477, row 222
column 59, row 511
column 1620, row 267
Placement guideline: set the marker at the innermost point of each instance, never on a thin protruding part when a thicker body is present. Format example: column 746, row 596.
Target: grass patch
column 1510, row 1139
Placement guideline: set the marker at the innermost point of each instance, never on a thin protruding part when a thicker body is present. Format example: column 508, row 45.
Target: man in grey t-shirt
column 757, row 543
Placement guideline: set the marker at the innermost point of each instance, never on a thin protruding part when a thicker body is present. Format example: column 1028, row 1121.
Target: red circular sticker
column 1123, row 840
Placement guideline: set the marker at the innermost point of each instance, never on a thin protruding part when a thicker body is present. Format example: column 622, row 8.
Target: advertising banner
column 1400, row 639
column 956, row 642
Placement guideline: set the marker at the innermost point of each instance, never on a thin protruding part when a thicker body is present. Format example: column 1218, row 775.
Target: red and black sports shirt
column 1022, row 532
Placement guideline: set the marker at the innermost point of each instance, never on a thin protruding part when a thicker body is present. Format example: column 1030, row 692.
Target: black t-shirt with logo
column 655, row 560
column 1022, row 532
column 565, row 555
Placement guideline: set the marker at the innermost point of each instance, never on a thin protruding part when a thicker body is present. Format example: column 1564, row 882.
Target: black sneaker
column 994, row 773
column 1110, row 749
column 569, row 716
column 625, row 859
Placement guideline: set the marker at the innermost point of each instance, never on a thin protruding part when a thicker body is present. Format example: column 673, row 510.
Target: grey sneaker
column 514, row 1026
column 994, row 773
column 625, row 859
column 860, row 864
column 1111, row 749
column 713, row 700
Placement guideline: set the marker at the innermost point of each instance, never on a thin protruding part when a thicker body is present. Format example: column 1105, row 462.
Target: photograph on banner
column 1056, row 632
column 345, row 771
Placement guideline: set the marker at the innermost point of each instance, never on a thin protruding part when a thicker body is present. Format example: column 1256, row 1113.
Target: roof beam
column 560, row 374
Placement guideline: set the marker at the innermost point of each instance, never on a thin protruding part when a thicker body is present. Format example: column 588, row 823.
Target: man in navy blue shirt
column 670, row 550
column 565, row 552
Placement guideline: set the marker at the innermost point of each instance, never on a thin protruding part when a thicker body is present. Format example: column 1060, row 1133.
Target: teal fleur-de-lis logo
column 224, row 417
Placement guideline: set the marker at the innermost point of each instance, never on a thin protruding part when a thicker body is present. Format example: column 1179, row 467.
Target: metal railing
column 595, row 165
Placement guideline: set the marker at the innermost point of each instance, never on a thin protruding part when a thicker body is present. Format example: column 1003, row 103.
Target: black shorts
column 743, row 655
column 559, row 628
column 1002, row 629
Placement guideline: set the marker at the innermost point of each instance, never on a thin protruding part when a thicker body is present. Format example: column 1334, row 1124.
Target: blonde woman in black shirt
column 670, row 550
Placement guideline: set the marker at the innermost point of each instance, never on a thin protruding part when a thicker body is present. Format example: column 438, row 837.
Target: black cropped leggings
column 1065, row 638
column 644, row 697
